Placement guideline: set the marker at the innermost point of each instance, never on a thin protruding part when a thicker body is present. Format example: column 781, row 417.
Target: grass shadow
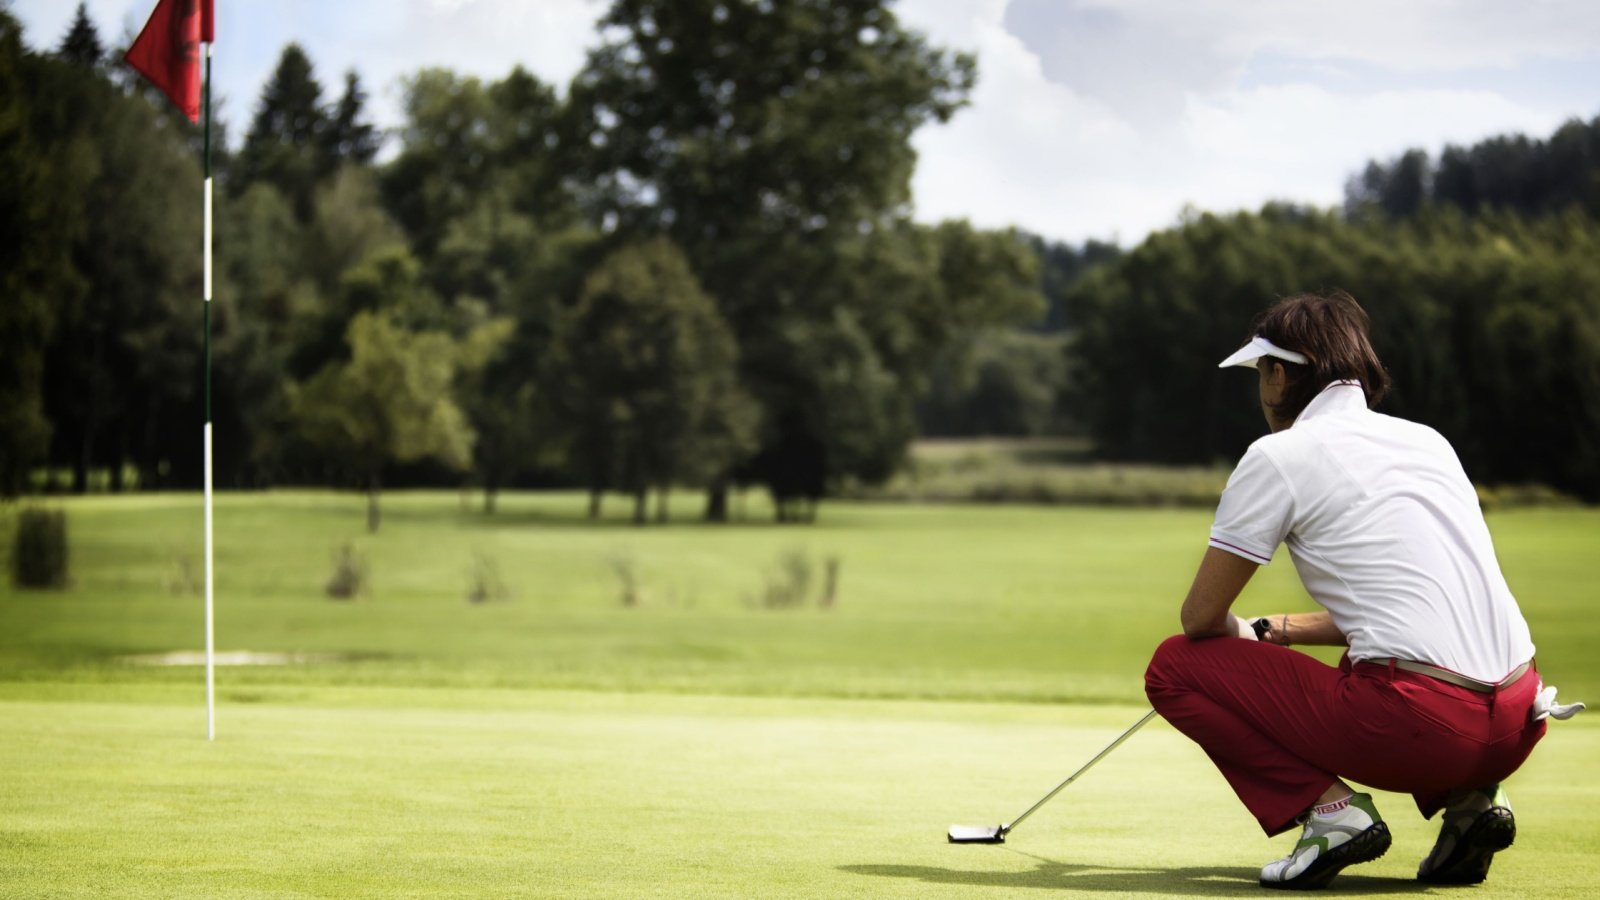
column 1198, row 881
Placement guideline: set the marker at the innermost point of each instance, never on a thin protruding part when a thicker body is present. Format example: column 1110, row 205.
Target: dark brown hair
column 1332, row 331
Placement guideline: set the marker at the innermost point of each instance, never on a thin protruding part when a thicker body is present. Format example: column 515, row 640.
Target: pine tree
column 82, row 43
column 286, row 144
column 350, row 137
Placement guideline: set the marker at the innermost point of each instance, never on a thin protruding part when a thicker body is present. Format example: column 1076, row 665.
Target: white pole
column 211, row 686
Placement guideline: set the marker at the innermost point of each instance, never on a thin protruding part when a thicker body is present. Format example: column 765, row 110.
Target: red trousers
column 1282, row 726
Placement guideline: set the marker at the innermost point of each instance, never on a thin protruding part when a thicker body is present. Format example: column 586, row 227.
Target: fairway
column 556, row 742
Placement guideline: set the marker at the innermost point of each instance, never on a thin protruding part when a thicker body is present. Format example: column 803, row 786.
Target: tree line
column 694, row 266
column 1489, row 324
column 1508, row 172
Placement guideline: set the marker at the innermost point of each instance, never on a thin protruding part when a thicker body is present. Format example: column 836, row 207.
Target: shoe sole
column 1365, row 847
column 1493, row 831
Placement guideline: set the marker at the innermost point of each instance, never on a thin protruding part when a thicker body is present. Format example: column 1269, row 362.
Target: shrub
column 830, row 583
column 349, row 579
column 1006, row 480
column 1515, row 496
column 184, row 577
column 39, row 549
column 788, row 584
column 627, row 572
column 483, row 580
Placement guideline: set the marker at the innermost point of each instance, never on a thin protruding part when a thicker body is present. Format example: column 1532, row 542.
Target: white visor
column 1257, row 348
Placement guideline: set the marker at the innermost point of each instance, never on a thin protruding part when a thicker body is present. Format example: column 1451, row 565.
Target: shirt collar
column 1338, row 397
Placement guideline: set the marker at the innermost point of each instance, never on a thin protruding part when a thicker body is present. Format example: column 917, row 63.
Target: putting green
column 557, row 742
column 434, row 793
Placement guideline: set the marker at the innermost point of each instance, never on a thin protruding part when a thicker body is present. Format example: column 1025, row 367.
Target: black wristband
column 1261, row 626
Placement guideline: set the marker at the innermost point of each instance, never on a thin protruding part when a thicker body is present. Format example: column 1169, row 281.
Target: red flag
column 167, row 52
column 208, row 25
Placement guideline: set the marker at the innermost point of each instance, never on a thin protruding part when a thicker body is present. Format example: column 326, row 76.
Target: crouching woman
column 1436, row 695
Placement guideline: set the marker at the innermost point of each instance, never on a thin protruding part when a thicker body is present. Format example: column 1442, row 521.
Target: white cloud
column 389, row 41
column 1409, row 36
column 1091, row 118
column 1010, row 158
column 1098, row 118
column 1301, row 142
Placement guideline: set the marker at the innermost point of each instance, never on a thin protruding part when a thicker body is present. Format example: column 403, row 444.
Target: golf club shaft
column 1086, row 767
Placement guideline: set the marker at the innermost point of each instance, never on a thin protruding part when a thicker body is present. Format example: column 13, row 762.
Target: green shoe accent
column 1364, row 803
column 1355, row 834
column 1497, row 797
column 1472, row 832
column 1365, row 847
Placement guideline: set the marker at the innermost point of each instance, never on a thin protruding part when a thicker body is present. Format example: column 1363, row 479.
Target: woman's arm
column 1221, row 577
column 1304, row 628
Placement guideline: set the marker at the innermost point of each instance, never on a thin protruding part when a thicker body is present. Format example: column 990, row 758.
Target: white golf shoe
column 1354, row 834
column 1473, row 830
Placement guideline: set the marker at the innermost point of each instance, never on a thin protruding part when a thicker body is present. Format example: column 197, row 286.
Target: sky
column 1092, row 119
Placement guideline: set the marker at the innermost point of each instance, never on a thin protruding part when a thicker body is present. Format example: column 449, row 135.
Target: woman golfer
column 1436, row 695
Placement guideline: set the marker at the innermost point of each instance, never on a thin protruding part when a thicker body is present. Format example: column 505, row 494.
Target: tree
column 1487, row 322
column 121, row 367
column 470, row 149
column 643, row 369
column 761, row 137
column 1010, row 384
column 350, row 139
column 1060, row 267
column 481, row 187
column 839, row 413
column 264, row 297
column 496, row 264
column 287, row 145
column 993, row 379
column 81, row 45
column 503, row 403
column 533, row 150
column 1573, row 160
column 1505, row 172
column 391, row 401
column 917, row 293
column 40, row 170
column 348, row 226
column 705, row 117
column 442, row 170
column 387, row 280
column 1155, row 319
column 1398, row 189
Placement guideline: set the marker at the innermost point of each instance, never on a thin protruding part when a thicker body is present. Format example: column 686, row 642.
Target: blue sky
column 1092, row 118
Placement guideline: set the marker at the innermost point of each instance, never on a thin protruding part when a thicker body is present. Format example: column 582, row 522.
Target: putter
column 996, row 834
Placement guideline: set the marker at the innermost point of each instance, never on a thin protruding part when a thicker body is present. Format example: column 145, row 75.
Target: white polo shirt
column 1385, row 531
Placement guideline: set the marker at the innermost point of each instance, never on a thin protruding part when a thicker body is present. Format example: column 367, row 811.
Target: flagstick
column 211, row 690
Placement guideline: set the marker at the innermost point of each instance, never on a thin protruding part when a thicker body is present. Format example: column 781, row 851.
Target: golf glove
column 1545, row 705
column 1242, row 628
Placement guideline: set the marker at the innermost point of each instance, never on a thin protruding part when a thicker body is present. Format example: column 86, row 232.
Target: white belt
column 1449, row 677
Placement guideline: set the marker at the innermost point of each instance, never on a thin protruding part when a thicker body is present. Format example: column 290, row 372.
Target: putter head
column 977, row 834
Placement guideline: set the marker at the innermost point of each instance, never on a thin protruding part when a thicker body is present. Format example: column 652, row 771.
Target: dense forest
column 1481, row 274
column 695, row 265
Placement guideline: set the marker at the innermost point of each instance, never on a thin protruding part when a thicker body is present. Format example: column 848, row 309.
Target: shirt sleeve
column 1256, row 510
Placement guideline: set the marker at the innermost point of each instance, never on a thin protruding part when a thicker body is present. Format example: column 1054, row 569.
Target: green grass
column 558, row 743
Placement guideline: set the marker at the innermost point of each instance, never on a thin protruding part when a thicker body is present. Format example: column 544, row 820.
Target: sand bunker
column 231, row 658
